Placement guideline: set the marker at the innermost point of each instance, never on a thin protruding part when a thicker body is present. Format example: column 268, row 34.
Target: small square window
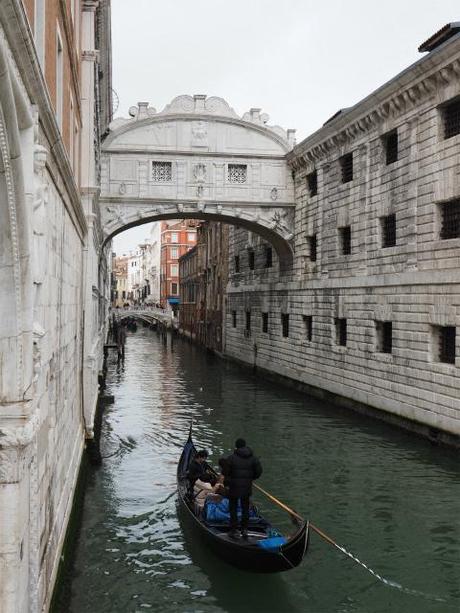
column 285, row 324
column 265, row 322
column 268, row 257
column 391, row 146
column 312, row 244
column 450, row 219
column 234, row 319
column 451, row 118
column 346, row 165
column 388, row 225
column 237, row 173
column 162, row 172
column 384, row 331
column 308, row 324
column 251, row 259
column 312, row 183
column 237, row 263
column 341, row 331
column 345, row 240
column 444, row 338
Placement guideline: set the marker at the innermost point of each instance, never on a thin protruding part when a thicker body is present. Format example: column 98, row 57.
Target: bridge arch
column 198, row 159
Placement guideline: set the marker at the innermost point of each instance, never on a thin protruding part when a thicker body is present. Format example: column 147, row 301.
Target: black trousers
column 233, row 503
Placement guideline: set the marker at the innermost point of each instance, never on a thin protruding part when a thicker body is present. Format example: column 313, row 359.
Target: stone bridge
column 198, row 159
column 148, row 316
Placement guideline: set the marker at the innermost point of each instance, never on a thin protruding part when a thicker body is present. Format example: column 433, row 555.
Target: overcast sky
column 298, row 60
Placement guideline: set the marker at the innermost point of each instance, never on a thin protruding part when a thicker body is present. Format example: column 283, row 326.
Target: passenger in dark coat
column 199, row 469
column 239, row 470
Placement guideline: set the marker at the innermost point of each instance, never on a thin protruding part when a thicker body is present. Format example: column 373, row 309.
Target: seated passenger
column 199, row 468
column 202, row 489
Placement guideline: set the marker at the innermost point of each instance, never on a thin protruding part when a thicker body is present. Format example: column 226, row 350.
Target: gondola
column 247, row 554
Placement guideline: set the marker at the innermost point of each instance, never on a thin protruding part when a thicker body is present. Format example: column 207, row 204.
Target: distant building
column 177, row 237
column 120, row 281
column 203, row 278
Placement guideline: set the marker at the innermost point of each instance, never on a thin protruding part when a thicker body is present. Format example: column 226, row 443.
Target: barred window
column 345, row 240
column 312, row 243
column 265, row 322
column 285, row 324
column 346, row 165
column 234, row 319
column 450, row 219
column 444, row 343
column 312, row 183
column 251, row 259
column 391, row 146
column 308, row 324
column 248, row 321
column 162, row 172
column 268, row 257
column 237, row 263
column 341, row 331
column 451, row 118
column 237, row 173
column 388, row 230
column 384, row 331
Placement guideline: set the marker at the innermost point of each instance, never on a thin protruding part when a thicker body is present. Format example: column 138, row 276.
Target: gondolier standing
column 240, row 469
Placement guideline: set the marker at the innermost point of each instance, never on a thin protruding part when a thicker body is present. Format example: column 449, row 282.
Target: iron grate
column 451, row 113
column 312, row 182
column 346, row 164
column 389, row 231
column 450, row 219
column 391, row 147
column 345, row 239
column 447, row 344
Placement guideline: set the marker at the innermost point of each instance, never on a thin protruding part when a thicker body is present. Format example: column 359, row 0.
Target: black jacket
column 239, row 470
column 199, row 471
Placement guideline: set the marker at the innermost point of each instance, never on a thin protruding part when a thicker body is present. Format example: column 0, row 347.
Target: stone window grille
column 234, row 319
column 444, row 343
column 384, row 331
column 346, row 165
column 450, row 219
column 248, row 322
column 388, row 230
column 391, row 147
column 265, row 322
column 308, row 323
column 162, row 172
column 312, row 243
column 285, row 324
column 237, row 263
column 341, row 331
column 251, row 259
column 268, row 257
column 312, row 183
column 237, row 173
column 451, row 118
column 345, row 240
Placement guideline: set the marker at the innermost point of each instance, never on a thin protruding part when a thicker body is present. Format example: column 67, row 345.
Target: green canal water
column 387, row 496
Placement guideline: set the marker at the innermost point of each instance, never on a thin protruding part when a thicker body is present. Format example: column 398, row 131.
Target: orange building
column 177, row 237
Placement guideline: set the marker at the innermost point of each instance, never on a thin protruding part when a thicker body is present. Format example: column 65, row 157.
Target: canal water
column 390, row 498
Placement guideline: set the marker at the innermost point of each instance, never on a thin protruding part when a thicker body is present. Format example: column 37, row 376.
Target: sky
column 298, row 60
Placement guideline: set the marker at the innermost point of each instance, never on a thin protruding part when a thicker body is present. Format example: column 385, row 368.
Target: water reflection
column 389, row 497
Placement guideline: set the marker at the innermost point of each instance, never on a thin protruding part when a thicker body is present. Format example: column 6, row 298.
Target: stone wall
column 412, row 281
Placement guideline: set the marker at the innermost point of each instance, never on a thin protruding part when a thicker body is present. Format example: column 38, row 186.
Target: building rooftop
column 450, row 29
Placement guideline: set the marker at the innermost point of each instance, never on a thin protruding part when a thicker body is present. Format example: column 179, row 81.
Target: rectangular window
column 237, row 263
column 174, row 253
column 251, row 259
column 265, row 322
column 268, row 257
column 312, row 244
column 341, row 331
column 174, row 237
column 285, row 324
column 384, row 330
column 174, row 289
column 191, row 237
column 237, row 173
column 345, row 240
column 59, row 79
column 308, row 325
column 390, row 141
column 174, row 270
column 248, row 321
column 161, row 172
column 450, row 219
column 451, row 118
column 312, row 183
column 388, row 226
column 234, row 319
column 346, row 166
column 444, row 338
